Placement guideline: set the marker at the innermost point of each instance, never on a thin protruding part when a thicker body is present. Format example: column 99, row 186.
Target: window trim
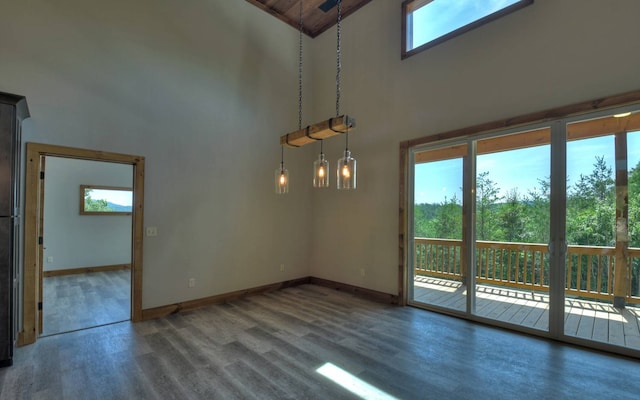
column 83, row 189
column 408, row 6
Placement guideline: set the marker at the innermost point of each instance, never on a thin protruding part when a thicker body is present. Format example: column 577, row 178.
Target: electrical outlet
column 362, row 272
column 50, row 259
column 152, row 231
column 281, row 267
column 192, row 282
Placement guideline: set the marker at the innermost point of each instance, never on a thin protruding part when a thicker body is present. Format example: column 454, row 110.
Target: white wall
column 203, row 90
column 78, row 241
column 550, row 54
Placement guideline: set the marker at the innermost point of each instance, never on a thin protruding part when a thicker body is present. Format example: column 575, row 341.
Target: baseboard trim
column 356, row 290
column 163, row 311
column 85, row 270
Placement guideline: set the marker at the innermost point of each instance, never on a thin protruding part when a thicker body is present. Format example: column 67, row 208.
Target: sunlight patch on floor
column 352, row 383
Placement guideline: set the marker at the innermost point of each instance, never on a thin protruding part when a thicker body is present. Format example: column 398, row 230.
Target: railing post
column 621, row 271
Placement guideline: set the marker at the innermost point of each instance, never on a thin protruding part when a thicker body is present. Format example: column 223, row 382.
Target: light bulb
column 622, row 115
column 321, row 172
column 345, row 171
column 283, row 179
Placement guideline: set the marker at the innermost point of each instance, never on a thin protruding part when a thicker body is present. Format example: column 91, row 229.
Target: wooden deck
column 584, row 319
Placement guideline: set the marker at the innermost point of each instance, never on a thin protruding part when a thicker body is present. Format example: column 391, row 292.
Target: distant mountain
column 118, row 207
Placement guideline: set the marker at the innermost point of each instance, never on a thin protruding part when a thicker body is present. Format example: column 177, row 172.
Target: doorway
column 537, row 230
column 86, row 244
column 32, row 317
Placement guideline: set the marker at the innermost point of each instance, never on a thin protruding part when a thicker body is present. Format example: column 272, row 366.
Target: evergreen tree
column 449, row 219
column 538, row 213
column 512, row 218
column 591, row 208
column 486, row 200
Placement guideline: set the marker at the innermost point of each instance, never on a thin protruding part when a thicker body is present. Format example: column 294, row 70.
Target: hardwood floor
column 72, row 302
column 274, row 346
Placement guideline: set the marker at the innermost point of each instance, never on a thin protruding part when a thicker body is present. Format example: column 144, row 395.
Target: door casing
column 32, row 276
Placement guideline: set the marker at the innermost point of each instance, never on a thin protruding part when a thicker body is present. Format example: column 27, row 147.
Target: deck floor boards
column 585, row 319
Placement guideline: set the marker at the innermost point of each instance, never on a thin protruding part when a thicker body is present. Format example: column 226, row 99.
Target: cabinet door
column 6, row 289
column 7, row 114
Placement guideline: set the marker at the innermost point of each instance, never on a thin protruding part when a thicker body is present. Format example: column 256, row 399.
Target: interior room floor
column 311, row 342
column 72, row 302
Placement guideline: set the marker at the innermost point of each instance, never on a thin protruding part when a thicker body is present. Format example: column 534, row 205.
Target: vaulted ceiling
column 317, row 15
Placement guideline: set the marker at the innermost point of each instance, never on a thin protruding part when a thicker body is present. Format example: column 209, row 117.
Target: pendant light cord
column 338, row 56
column 339, row 67
column 300, row 70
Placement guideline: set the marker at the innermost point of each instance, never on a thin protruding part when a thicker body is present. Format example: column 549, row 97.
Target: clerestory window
column 427, row 23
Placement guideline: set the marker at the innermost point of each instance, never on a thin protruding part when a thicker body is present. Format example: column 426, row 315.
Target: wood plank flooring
column 584, row 319
column 72, row 302
column 272, row 346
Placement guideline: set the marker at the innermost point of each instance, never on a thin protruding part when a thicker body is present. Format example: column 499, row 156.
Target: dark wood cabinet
column 13, row 110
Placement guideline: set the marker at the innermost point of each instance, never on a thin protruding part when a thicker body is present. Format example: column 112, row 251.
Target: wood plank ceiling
column 315, row 19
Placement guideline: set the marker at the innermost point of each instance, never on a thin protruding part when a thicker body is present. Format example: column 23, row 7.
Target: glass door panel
column 436, row 259
column 512, row 228
column 632, row 337
column 603, row 254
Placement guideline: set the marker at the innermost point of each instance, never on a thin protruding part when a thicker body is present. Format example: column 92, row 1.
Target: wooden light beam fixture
column 320, row 131
column 341, row 123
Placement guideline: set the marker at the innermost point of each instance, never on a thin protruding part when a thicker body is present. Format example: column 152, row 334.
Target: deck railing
column 589, row 270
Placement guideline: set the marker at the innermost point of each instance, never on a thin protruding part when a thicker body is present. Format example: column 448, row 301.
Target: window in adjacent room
column 427, row 23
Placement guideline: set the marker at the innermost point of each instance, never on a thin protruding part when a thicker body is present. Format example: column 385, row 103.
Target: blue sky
column 120, row 197
column 440, row 17
column 518, row 168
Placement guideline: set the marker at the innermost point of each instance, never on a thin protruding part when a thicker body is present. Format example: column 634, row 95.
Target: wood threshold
column 85, row 270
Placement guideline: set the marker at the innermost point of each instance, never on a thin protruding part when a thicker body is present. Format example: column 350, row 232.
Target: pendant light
column 321, row 171
column 340, row 124
column 282, row 175
column 346, row 167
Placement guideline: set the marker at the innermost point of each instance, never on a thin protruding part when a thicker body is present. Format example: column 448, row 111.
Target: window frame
column 83, row 189
column 409, row 6
column 560, row 120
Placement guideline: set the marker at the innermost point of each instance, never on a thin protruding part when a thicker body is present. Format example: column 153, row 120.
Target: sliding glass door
column 512, row 228
column 603, row 252
column 536, row 228
column 438, row 268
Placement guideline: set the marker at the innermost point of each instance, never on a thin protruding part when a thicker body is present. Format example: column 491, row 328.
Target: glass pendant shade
column 346, row 171
column 282, row 180
column 321, row 172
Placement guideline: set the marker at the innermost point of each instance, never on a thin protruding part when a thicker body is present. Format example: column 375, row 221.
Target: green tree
column 537, row 216
column 512, row 218
column 449, row 219
column 94, row 205
column 486, row 200
column 591, row 207
column 634, row 206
